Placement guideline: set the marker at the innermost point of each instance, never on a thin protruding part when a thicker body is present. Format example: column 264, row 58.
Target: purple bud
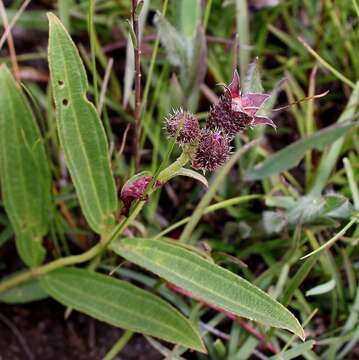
column 134, row 189
column 212, row 151
column 184, row 125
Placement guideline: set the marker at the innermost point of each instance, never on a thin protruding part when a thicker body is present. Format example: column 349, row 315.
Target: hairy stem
column 137, row 52
column 73, row 259
column 171, row 170
column 106, row 238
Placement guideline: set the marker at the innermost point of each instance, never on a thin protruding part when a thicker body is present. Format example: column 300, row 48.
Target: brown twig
column 18, row 336
column 13, row 22
column 137, row 51
column 10, row 42
column 242, row 323
column 81, row 240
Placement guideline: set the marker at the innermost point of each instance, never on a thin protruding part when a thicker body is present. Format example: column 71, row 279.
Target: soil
column 38, row 331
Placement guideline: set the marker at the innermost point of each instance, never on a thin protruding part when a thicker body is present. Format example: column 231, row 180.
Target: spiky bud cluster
column 209, row 148
column 183, row 126
column 134, row 189
column 223, row 117
column 235, row 112
column 212, row 151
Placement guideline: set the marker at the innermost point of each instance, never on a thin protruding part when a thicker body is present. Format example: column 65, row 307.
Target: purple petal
column 263, row 120
column 235, row 85
column 252, row 102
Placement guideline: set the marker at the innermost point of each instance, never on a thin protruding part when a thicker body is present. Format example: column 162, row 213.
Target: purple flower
column 134, row 189
column 184, row 125
column 212, row 151
column 235, row 112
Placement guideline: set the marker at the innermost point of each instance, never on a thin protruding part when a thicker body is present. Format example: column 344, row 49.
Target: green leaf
column 120, row 304
column 80, row 130
column 290, row 156
column 24, row 293
column 194, row 73
column 329, row 159
column 29, row 19
column 189, row 16
column 24, row 172
column 253, row 81
column 173, row 41
column 192, row 174
column 207, row 281
column 5, row 235
column 296, row 351
column 322, row 288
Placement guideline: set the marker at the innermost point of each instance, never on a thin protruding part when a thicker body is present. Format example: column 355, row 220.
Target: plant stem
column 171, row 170
column 73, row 259
column 106, row 239
column 41, row 270
column 137, row 52
column 10, row 41
column 119, row 345
column 201, row 207
column 92, row 34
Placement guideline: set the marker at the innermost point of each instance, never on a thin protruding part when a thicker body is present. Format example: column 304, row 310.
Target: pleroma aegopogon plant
column 30, row 202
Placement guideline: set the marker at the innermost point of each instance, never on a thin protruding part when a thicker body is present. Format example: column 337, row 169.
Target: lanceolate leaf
column 192, row 174
column 290, row 156
column 322, row 288
column 80, row 130
column 189, row 16
column 24, row 172
column 173, row 41
column 120, row 304
column 253, row 83
column 207, row 281
column 24, row 293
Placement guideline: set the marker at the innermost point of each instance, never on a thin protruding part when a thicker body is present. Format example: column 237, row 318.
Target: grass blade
column 331, row 241
column 290, row 156
column 201, row 207
column 295, row 351
column 329, row 159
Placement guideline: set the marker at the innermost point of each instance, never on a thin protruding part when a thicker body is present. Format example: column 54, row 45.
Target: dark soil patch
column 38, row 331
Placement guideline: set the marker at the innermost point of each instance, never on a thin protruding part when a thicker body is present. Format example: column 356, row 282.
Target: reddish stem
column 137, row 52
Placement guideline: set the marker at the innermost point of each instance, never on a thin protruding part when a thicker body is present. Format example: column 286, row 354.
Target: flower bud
column 212, row 151
column 134, row 189
column 184, row 126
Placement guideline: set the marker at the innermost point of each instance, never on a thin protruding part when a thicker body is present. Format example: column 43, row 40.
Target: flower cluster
column 207, row 148
column 183, row 126
column 212, row 151
column 233, row 113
